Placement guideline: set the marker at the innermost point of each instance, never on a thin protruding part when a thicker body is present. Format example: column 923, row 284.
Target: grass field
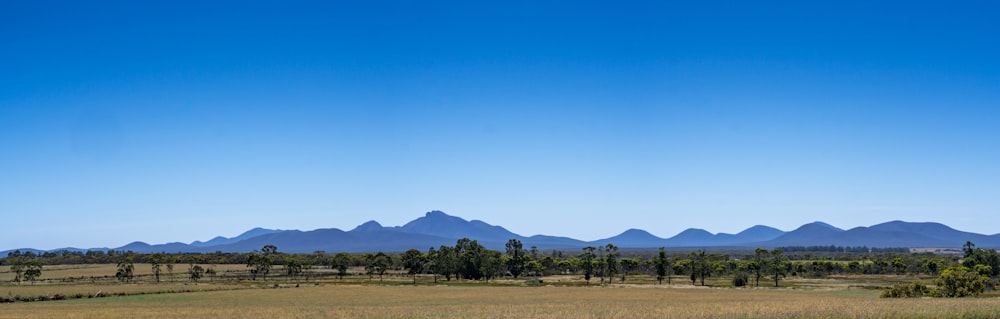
column 354, row 301
column 396, row 297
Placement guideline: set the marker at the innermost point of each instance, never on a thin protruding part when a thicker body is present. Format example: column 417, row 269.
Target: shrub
column 960, row 282
column 912, row 290
column 741, row 279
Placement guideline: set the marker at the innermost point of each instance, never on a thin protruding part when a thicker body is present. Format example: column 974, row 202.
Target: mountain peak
column 436, row 213
column 823, row 225
column 695, row 232
column 632, row 238
column 370, row 225
column 760, row 233
column 438, row 223
column 636, row 231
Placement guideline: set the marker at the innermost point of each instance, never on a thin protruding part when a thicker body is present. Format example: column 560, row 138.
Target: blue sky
column 178, row 121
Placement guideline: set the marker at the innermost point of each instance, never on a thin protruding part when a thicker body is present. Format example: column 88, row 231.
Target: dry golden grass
column 107, row 289
column 350, row 301
column 142, row 271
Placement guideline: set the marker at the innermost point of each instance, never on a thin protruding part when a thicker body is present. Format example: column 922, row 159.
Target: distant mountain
column 905, row 234
column 142, row 247
column 436, row 228
column 758, row 233
column 552, row 242
column 936, row 231
column 632, row 238
column 437, row 223
column 219, row 240
column 692, row 237
column 811, row 234
column 369, row 226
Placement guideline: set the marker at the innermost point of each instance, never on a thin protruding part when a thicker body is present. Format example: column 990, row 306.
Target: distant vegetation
column 918, row 274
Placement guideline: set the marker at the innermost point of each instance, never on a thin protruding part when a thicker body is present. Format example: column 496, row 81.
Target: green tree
column 195, row 272
column 17, row 265
column 611, row 261
column 430, row 262
column 293, row 267
column 32, row 271
column 471, row 256
column 126, row 269
column 340, row 262
column 899, row 266
column 628, row 264
column 760, row 254
column 156, row 263
column 662, row 264
column 252, row 261
column 269, row 249
column 211, row 274
column 700, row 266
column 959, row 281
column 978, row 256
column 587, row 259
column 446, row 262
column 370, row 265
column 380, row 263
column 259, row 262
column 777, row 265
column 492, row 265
column 535, row 268
column 517, row 261
column 413, row 260
column 693, row 267
column 932, row 266
column 170, row 266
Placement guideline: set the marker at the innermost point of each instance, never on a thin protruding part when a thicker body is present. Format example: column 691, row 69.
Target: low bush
column 741, row 279
column 910, row 290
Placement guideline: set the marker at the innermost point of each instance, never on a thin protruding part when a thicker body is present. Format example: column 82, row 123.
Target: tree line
column 469, row 260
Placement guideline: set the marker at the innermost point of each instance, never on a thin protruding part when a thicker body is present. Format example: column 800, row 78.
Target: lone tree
column 33, row 271
column 413, row 261
column 125, row 270
column 517, row 261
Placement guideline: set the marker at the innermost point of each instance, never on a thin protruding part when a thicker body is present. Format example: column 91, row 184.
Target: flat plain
column 396, row 299
column 355, row 301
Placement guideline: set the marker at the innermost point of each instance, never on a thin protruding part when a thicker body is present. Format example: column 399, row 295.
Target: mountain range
column 437, row 228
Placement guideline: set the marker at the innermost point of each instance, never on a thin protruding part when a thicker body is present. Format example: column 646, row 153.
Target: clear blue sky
column 168, row 121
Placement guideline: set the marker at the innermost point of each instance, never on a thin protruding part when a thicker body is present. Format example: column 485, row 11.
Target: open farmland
column 396, row 297
column 357, row 301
